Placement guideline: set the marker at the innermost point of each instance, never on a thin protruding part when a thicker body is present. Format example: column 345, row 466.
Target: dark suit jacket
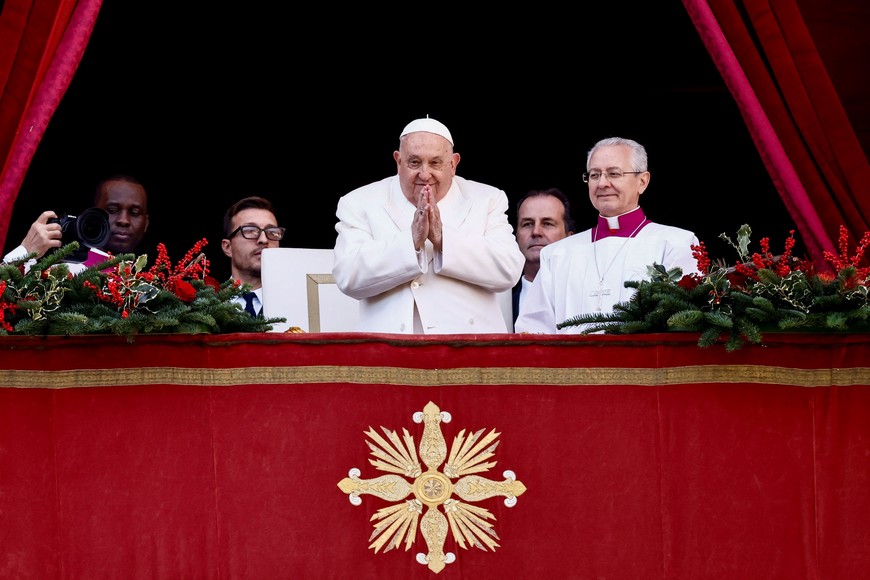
column 516, row 297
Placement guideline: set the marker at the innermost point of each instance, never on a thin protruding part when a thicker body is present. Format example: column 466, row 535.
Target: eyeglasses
column 614, row 175
column 253, row 233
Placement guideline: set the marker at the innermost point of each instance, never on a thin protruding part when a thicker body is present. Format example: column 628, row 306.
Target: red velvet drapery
column 41, row 45
column 771, row 64
column 787, row 77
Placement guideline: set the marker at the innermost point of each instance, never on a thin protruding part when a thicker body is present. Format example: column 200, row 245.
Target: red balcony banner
column 459, row 457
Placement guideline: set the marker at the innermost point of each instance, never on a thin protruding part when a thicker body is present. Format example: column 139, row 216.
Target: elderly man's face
column 425, row 159
column 615, row 196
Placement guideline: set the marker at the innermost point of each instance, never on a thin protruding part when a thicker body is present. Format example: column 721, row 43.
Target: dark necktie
column 249, row 304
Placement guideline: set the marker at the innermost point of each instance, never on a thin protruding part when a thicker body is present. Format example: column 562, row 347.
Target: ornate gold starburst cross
column 399, row 522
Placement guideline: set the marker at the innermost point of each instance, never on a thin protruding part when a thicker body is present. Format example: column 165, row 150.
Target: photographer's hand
column 42, row 236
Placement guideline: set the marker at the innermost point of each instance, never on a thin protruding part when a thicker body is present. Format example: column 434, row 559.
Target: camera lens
column 92, row 227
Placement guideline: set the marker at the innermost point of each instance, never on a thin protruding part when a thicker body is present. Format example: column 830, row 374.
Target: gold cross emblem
column 399, row 522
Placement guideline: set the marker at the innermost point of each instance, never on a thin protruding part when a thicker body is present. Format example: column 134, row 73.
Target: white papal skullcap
column 429, row 126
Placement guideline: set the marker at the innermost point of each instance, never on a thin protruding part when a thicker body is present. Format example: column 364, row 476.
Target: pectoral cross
column 601, row 293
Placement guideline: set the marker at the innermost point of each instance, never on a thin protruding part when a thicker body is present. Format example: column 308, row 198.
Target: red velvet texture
column 734, row 479
column 41, row 45
column 783, row 62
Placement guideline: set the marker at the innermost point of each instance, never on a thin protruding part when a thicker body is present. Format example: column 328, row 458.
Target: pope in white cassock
column 585, row 273
column 426, row 251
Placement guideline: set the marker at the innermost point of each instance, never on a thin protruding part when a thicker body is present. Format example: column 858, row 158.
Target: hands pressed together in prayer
column 427, row 220
column 372, row 261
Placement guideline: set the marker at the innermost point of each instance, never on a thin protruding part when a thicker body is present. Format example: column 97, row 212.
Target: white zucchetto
column 429, row 126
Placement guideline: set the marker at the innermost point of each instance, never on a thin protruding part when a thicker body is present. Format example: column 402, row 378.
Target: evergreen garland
column 121, row 296
column 761, row 293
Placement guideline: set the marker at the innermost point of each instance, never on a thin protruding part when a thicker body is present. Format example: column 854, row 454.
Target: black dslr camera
column 90, row 229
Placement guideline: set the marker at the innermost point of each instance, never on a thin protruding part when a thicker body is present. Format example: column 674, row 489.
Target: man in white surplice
column 585, row 273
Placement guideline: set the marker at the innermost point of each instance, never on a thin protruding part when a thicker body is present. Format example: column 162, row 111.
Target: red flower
column 184, row 290
column 212, row 281
column 688, row 282
column 737, row 279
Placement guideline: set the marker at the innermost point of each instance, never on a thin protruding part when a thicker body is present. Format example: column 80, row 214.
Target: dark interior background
column 207, row 104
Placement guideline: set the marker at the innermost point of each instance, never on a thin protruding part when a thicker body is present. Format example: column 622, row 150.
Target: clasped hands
column 427, row 220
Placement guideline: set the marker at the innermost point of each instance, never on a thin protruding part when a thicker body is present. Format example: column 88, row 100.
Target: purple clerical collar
column 622, row 226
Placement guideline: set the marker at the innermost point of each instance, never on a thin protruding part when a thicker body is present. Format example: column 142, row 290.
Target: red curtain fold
column 770, row 64
column 763, row 49
column 41, row 45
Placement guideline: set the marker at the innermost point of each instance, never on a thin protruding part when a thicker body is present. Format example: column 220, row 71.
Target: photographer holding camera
column 49, row 232
column 119, row 230
column 44, row 234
